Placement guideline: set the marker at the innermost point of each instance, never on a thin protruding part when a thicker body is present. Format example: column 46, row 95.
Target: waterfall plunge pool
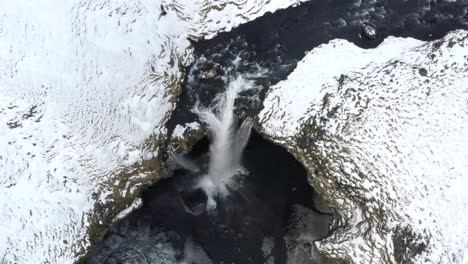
column 270, row 217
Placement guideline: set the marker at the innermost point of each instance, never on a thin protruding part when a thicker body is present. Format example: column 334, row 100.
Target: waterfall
column 227, row 141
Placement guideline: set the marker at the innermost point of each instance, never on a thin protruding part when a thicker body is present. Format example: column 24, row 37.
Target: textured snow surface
column 384, row 135
column 205, row 18
column 83, row 84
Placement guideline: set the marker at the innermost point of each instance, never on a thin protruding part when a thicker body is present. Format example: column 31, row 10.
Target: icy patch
column 135, row 204
column 267, row 246
column 194, row 254
column 179, row 130
column 306, row 228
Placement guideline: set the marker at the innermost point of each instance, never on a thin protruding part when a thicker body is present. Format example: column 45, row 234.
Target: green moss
column 423, row 72
column 139, row 174
column 451, row 44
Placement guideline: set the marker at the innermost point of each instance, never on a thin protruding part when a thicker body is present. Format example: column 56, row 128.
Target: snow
column 322, row 62
column 206, row 18
column 137, row 203
column 384, row 144
column 179, row 130
column 83, row 85
column 89, row 118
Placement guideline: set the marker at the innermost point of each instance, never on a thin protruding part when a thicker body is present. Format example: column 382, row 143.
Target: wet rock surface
column 248, row 226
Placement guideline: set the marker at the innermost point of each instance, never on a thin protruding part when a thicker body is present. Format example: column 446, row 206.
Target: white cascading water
column 227, row 142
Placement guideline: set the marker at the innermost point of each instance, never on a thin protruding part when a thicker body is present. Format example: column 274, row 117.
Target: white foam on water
column 185, row 163
column 194, row 254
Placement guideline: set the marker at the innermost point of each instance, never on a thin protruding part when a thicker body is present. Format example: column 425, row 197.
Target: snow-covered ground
column 206, row 18
column 384, row 135
column 83, row 86
column 86, row 88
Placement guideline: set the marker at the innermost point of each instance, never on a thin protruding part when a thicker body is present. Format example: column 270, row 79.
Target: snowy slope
column 84, row 86
column 205, row 18
column 384, row 135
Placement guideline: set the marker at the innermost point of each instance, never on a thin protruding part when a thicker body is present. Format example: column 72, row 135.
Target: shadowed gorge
column 249, row 225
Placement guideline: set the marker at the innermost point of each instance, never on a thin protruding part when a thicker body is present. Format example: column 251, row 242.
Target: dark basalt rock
column 369, row 31
column 407, row 245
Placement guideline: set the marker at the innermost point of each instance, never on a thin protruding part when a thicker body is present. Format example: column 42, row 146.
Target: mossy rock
column 423, row 72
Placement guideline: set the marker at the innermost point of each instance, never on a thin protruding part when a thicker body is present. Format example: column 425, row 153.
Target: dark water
column 258, row 210
column 276, row 42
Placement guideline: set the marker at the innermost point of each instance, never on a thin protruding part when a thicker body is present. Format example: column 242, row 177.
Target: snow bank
column 205, row 18
column 384, row 135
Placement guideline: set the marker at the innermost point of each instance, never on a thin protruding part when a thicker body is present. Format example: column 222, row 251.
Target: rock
column 211, row 73
column 306, row 227
column 369, row 31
